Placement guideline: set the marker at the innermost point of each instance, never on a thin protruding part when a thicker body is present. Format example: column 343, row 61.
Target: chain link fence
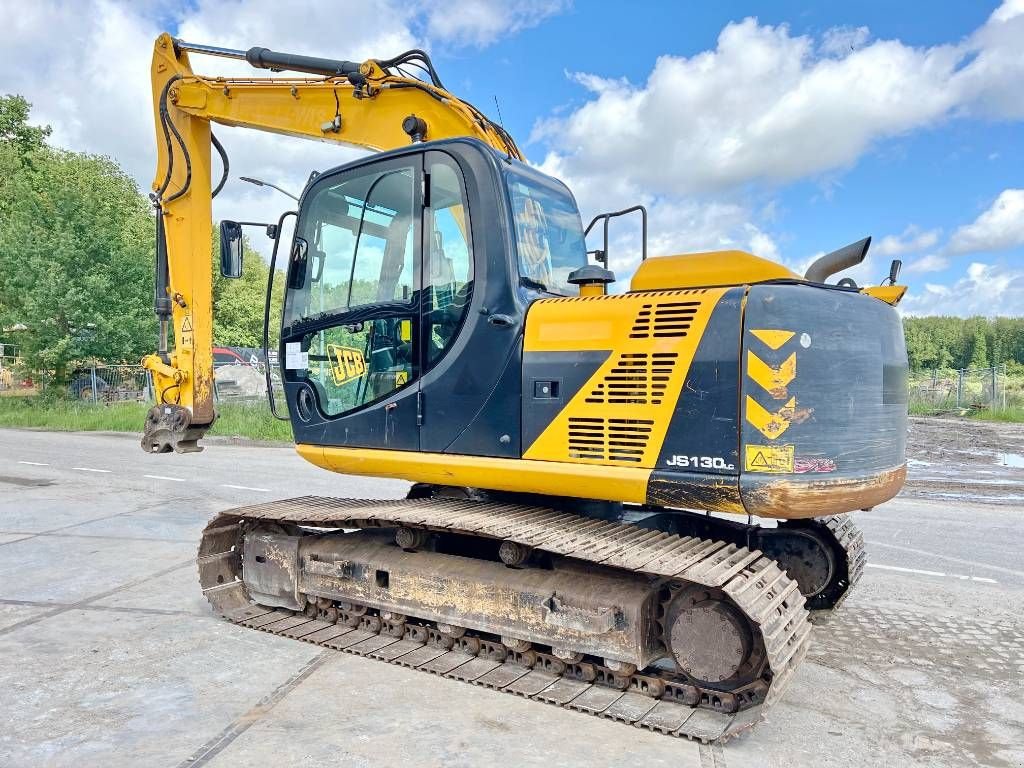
column 965, row 389
column 15, row 379
column 239, row 376
column 100, row 383
column 233, row 382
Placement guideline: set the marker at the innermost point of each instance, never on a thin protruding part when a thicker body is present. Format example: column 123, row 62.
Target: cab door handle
column 501, row 321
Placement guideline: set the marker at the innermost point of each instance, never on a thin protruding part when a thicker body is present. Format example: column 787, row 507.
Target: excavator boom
column 369, row 105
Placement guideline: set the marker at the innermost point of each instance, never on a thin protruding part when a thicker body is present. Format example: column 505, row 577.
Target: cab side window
column 361, row 265
column 448, row 270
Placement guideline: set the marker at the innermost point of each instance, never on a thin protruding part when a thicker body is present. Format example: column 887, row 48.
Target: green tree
column 957, row 342
column 76, row 252
column 979, row 353
column 238, row 303
column 14, row 128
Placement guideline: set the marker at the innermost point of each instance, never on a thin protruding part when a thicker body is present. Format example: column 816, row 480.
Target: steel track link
column 759, row 588
column 850, row 538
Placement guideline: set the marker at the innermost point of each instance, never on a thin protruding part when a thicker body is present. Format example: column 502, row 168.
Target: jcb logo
column 346, row 363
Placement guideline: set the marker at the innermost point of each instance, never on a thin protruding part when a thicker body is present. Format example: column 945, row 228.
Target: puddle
column 28, row 482
column 1011, row 460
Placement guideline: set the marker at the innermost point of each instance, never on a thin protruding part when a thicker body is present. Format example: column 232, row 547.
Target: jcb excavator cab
column 405, row 330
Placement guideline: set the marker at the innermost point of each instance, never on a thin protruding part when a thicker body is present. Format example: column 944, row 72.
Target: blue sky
column 787, row 129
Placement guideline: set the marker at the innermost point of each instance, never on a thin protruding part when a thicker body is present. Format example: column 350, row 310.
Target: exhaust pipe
column 848, row 256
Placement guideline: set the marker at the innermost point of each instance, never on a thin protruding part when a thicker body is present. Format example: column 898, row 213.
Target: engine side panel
column 779, row 400
column 824, row 401
column 698, row 466
column 620, row 413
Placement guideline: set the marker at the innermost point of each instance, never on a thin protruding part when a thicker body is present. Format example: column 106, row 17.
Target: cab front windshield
column 549, row 234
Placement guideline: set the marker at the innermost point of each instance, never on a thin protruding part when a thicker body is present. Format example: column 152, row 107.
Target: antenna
column 501, row 122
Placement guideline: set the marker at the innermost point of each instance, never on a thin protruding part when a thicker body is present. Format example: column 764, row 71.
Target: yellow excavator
column 587, row 466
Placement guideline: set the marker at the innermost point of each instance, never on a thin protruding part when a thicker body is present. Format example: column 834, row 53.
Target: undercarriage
column 824, row 555
column 682, row 634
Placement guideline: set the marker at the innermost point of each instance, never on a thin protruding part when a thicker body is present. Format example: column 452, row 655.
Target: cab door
column 471, row 346
column 351, row 338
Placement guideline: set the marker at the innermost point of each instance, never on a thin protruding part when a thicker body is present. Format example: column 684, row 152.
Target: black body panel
column 706, row 419
column 562, row 374
column 850, row 388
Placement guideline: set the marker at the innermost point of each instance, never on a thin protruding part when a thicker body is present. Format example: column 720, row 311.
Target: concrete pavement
column 110, row 656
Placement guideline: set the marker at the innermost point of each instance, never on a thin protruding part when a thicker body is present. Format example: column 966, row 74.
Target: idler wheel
column 808, row 560
column 513, row 554
column 708, row 637
column 411, row 539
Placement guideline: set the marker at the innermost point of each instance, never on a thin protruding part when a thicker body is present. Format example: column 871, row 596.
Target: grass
column 1014, row 415
column 235, row 420
column 246, row 420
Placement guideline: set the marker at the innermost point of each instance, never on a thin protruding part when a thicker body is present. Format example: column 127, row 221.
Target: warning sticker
column 769, row 458
column 186, row 332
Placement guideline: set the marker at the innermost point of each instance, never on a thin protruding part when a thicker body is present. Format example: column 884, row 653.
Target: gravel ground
column 965, row 458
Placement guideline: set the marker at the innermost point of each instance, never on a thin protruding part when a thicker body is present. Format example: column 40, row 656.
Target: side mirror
column 300, row 262
column 231, row 249
column 894, row 271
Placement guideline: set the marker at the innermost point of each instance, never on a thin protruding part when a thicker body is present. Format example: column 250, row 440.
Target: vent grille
column 614, row 440
column 637, row 378
column 665, row 320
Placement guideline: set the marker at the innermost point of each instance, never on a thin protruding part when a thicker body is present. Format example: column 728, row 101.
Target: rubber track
column 850, row 537
column 768, row 597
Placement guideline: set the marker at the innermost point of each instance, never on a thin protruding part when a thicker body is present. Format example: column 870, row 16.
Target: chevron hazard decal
column 773, row 339
column 772, row 380
column 770, row 424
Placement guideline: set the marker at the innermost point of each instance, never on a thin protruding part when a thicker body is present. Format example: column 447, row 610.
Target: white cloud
column 997, row 229
column 768, row 106
column 762, row 244
column 85, row 64
column 932, row 262
column 1008, row 10
column 994, row 68
column 479, row 22
column 839, row 41
column 912, row 240
column 985, row 289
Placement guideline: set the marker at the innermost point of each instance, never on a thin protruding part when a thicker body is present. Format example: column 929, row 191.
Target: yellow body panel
column 786, row 499
column 627, row 484
column 621, row 414
column 890, row 294
column 694, row 270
